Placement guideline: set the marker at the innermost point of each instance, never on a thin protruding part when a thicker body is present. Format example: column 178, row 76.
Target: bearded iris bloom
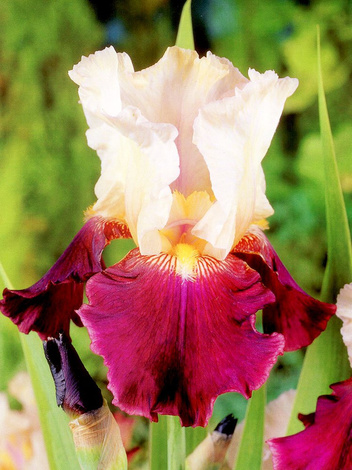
column 181, row 145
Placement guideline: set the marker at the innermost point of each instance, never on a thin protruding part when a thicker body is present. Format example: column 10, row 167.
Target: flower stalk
column 253, row 433
column 176, row 444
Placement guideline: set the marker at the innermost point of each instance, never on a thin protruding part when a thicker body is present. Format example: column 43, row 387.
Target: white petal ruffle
column 344, row 312
column 187, row 125
column 233, row 136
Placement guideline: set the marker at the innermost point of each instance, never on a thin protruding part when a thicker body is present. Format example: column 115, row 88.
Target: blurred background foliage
column 48, row 172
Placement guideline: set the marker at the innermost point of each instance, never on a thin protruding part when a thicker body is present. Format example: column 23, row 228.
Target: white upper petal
column 189, row 124
column 344, row 312
column 99, row 89
column 233, row 136
column 172, row 91
column 139, row 158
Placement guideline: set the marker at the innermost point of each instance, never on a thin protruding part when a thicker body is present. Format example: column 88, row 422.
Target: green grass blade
column 326, row 359
column 185, row 30
column 194, row 436
column 158, row 444
column 339, row 264
column 176, row 444
column 251, row 446
column 325, row 363
column 54, row 423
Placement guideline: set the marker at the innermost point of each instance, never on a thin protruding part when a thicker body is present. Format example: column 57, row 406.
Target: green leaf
column 176, row 444
column 185, row 31
column 251, row 446
column 54, row 423
column 339, row 266
column 326, row 359
column 158, row 444
column 194, row 436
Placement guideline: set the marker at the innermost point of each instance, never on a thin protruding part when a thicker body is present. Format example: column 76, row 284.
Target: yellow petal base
column 187, row 256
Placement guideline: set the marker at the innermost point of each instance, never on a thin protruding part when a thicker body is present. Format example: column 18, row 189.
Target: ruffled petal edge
column 48, row 305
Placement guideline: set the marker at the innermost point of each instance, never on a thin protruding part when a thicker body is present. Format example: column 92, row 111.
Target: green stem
column 158, row 444
column 251, row 446
column 176, row 444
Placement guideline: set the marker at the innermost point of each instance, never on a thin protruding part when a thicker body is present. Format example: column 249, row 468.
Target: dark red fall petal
column 173, row 344
column 295, row 314
column 48, row 306
column 326, row 443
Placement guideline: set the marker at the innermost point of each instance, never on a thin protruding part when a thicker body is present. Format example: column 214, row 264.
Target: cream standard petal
column 139, row 158
column 172, row 91
column 98, row 78
column 233, row 136
column 99, row 91
column 113, row 150
column 150, row 165
column 344, row 312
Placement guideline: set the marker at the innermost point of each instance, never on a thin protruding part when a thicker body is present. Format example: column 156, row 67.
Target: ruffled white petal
column 149, row 165
column 98, row 78
column 139, row 158
column 172, row 91
column 187, row 124
column 344, row 312
column 233, row 136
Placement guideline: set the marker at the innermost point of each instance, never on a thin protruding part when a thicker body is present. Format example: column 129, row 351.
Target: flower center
column 184, row 215
column 186, row 256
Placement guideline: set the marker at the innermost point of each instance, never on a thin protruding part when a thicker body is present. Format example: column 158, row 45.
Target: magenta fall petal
column 295, row 314
column 171, row 344
column 48, row 306
column 326, row 443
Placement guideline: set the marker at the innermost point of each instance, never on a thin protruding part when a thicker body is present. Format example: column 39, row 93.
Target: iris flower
column 326, row 442
column 181, row 145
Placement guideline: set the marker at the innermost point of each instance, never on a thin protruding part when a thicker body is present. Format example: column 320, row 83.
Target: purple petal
column 76, row 391
column 173, row 344
column 48, row 306
column 295, row 314
column 326, row 443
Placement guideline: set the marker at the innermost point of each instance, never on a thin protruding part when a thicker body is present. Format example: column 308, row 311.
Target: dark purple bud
column 76, row 391
column 227, row 426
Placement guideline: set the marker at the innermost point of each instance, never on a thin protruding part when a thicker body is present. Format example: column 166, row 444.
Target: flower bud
column 213, row 448
column 76, row 391
column 96, row 433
